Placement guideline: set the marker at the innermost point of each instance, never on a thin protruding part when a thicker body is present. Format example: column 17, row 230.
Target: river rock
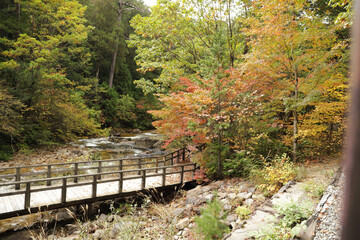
column 183, row 223
column 222, row 195
column 206, row 189
column 227, row 207
column 98, row 234
column 209, row 197
column 63, row 215
column 231, row 218
column 225, row 201
column 145, row 142
column 242, row 195
column 215, row 185
column 178, row 212
column 195, row 192
column 116, row 230
column 232, row 195
column 248, row 202
column 248, row 195
column 191, row 200
column 158, row 145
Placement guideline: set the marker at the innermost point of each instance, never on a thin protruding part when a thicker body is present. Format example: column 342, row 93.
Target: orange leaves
column 204, row 108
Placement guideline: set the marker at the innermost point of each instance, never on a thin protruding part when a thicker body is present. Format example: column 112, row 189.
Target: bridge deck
column 68, row 184
column 51, row 197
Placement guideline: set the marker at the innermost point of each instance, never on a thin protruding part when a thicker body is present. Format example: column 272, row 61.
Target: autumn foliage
column 283, row 91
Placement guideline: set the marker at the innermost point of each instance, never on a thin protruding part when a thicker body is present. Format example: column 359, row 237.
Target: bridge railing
column 146, row 173
column 49, row 171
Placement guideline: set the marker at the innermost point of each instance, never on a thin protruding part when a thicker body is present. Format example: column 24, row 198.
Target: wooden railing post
column 172, row 159
column 120, row 165
column 178, row 156
column 48, row 175
column 63, row 190
column 143, row 179
column 183, row 155
column 164, row 177
column 76, row 172
column 120, row 182
column 182, row 175
column 94, row 186
column 156, row 164
column 27, row 196
column 139, row 166
column 17, row 178
column 99, row 169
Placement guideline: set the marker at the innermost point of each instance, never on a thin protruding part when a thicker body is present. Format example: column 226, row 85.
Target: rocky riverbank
column 245, row 210
column 241, row 204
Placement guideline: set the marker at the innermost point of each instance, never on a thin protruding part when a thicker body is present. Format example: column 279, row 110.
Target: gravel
column 329, row 225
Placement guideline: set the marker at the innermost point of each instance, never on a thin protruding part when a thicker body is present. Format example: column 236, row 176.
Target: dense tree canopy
column 236, row 79
column 53, row 59
column 247, row 75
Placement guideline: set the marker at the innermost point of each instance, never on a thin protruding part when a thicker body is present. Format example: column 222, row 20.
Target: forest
column 242, row 81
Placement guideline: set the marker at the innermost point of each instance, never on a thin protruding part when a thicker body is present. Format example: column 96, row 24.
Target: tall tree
column 209, row 111
column 44, row 67
column 179, row 36
column 121, row 8
column 292, row 48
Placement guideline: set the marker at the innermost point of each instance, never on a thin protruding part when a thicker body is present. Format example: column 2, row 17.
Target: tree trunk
column 295, row 119
column 112, row 68
column 97, row 72
column 231, row 50
column 18, row 17
column 295, row 140
column 220, row 164
column 113, row 62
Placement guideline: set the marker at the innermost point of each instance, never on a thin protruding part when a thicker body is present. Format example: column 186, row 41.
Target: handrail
column 64, row 186
column 93, row 179
column 93, row 161
column 93, row 174
column 76, row 169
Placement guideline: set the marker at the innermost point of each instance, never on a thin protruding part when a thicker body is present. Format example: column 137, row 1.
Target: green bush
column 315, row 190
column 293, row 212
column 274, row 174
column 241, row 164
column 293, row 220
column 5, row 152
column 243, row 212
column 210, row 224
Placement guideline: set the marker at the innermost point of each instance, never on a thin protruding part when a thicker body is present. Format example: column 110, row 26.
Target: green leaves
column 186, row 38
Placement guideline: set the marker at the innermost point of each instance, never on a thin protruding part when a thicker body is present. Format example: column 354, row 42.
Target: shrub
column 210, row 224
column 293, row 212
column 274, row 175
column 243, row 212
column 5, row 152
column 241, row 165
column 291, row 223
column 315, row 190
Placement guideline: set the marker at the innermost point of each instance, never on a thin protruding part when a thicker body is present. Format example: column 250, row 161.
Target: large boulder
column 145, row 142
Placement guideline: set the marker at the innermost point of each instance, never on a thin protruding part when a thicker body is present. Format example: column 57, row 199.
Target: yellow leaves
column 274, row 175
column 11, row 64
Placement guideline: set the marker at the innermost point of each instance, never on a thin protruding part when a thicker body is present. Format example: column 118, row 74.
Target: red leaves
column 203, row 107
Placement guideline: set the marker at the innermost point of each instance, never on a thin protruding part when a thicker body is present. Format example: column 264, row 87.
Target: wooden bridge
column 44, row 187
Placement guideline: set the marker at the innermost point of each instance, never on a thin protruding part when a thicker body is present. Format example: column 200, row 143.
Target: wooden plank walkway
column 46, row 193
